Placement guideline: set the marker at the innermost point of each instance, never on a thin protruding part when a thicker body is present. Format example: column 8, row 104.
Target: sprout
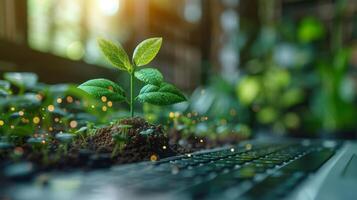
column 65, row 139
column 156, row 91
column 120, row 138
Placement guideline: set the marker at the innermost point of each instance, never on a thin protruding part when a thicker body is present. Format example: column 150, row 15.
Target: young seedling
column 40, row 145
column 4, row 88
column 156, row 91
column 120, row 138
column 64, row 139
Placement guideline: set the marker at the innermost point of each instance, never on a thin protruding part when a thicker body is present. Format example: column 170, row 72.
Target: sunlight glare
column 109, row 7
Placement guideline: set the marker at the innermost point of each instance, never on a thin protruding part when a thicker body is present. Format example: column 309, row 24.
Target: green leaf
column 115, row 54
column 4, row 93
column 166, row 94
column 146, row 51
column 21, row 80
column 4, row 88
column 4, row 85
column 103, row 87
column 147, row 132
column 150, row 76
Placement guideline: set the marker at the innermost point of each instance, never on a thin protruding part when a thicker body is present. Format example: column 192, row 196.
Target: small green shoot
column 4, row 88
column 120, row 138
column 64, row 139
column 156, row 91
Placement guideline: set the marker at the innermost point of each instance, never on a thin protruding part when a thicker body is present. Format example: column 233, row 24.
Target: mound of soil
column 140, row 147
column 143, row 142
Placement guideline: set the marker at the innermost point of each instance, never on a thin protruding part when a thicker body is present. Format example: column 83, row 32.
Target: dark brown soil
column 138, row 148
column 96, row 150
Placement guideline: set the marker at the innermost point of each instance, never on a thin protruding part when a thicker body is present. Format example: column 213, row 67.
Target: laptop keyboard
column 252, row 171
column 266, row 171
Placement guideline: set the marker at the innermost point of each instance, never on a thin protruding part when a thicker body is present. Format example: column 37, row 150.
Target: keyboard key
column 275, row 186
column 309, row 162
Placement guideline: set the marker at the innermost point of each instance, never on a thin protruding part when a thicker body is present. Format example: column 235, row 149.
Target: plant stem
column 21, row 90
column 132, row 94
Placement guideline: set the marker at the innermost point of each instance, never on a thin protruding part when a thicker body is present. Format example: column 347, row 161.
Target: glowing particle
column 50, row 128
column 110, row 104
column 36, row 120
column 12, row 108
column 189, row 155
column 2, row 123
column 232, row 150
column 12, row 126
column 69, row 99
column 201, row 140
column 248, row 146
column 104, row 98
column 39, row 97
column 57, row 119
column 153, row 158
column 43, row 142
column 59, row 100
column 21, row 113
column 73, row 124
column 50, row 108
column 233, row 112
column 18, row 150
column 164, row 147
column 92, row 106
column 104, row 108
column 171, row 114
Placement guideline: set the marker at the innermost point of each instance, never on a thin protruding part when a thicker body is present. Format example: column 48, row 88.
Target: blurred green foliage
column 31, row 108
column 297, row 78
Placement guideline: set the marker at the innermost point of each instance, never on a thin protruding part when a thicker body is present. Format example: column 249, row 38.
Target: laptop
column 257, row 169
